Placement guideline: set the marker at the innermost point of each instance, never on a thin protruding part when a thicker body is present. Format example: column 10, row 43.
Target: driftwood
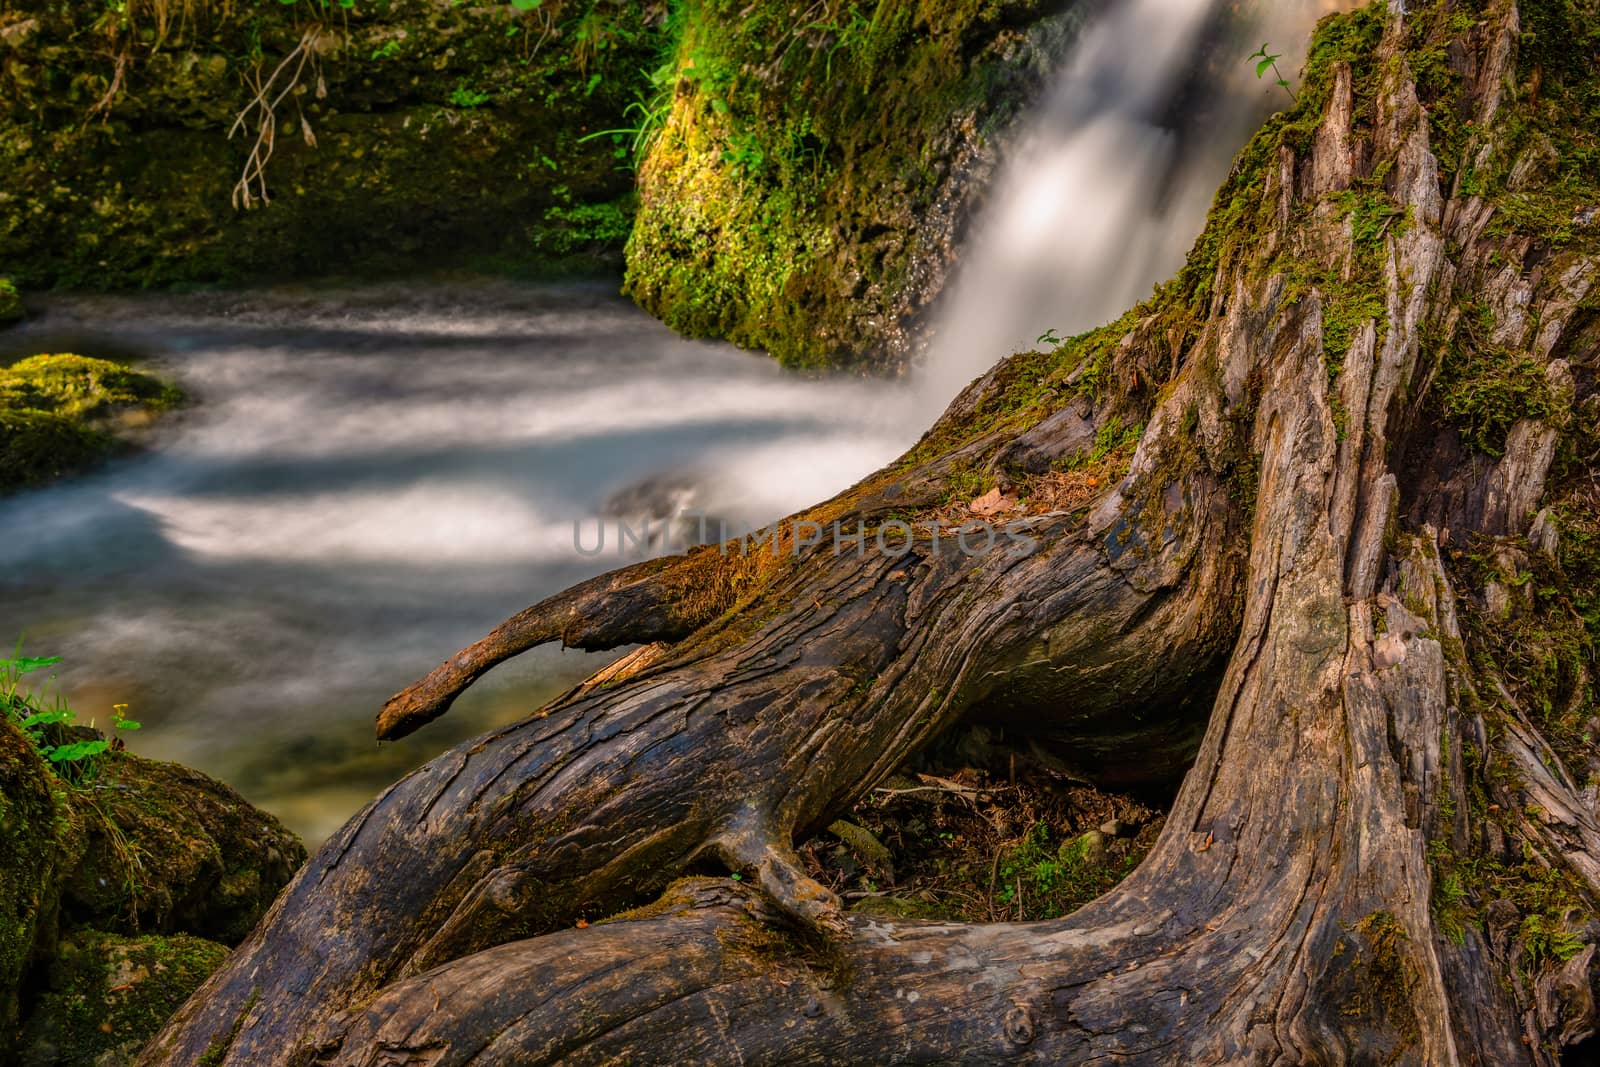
column 1259, row 599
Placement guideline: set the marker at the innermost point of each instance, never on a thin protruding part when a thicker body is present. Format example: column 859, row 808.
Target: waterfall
column 1109, row 186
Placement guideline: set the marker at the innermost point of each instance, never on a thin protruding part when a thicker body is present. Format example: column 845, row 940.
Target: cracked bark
column 1285, row 914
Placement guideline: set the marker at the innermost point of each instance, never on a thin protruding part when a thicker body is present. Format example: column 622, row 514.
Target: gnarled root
column 728, row 749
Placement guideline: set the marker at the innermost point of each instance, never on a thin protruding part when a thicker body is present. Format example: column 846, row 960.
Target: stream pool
column 369, row 478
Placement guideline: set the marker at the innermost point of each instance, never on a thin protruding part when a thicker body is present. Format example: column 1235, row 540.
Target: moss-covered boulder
column 36, row 845
column 408, row 133
column 170, row 849
column 106, row 995
column 811, row 177
column 62, row 413
column 81, row 387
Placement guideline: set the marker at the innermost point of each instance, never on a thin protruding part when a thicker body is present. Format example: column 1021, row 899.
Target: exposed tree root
column 262, row 113
column 1279, row 517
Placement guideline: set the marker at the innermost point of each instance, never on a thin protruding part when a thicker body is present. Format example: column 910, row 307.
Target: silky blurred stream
column 369, row 479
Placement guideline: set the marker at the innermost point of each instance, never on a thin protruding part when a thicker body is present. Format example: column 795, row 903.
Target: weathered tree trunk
column 1279, row 527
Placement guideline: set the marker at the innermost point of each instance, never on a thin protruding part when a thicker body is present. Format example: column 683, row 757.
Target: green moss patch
column 36, row 843
column 792, row 166
column 420, row 133
column 59, row 414
column 1488, row 390
column 107, row 995
column 10, row 302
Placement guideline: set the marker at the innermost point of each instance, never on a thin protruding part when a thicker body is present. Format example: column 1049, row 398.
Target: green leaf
column 526, row 5
column 29, row 664
column 1261, row 67
column 45, row 718
column 78, row 750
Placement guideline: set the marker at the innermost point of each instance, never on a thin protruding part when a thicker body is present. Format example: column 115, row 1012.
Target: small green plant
column 388, row 50
column 744, row 153
column 1544, row 941
column 1265, row 61
column 651, row 108
column 466, row 97
column 46, row 719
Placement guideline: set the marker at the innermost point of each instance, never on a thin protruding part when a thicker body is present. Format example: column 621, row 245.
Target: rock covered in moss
column 60, row 414
column 812, row 179
column 118, row 896
column 10, row 303
column 81, row 387
column 170, row 849
column 106, row 995
column 36, row 844
column 418, row 131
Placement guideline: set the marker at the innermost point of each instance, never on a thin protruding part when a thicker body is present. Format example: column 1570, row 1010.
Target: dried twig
column 119, row 73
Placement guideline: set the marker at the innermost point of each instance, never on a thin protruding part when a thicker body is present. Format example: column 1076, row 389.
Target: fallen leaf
column 992, row 503
column 582, row 924
column 987, row 503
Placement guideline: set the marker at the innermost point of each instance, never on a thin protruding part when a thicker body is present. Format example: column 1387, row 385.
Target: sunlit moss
column 59, row 414
column 783, row 196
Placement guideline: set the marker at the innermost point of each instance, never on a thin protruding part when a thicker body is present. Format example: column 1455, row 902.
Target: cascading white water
column 1099, row 201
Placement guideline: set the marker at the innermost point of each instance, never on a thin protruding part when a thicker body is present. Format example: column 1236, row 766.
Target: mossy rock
column 58, row 414
column 169, row 849
column 81, row 387
column 10, row 303
column 107, row 995
column 36, row 843
column 811, row 180
column 425, row 132
column 36, row 447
